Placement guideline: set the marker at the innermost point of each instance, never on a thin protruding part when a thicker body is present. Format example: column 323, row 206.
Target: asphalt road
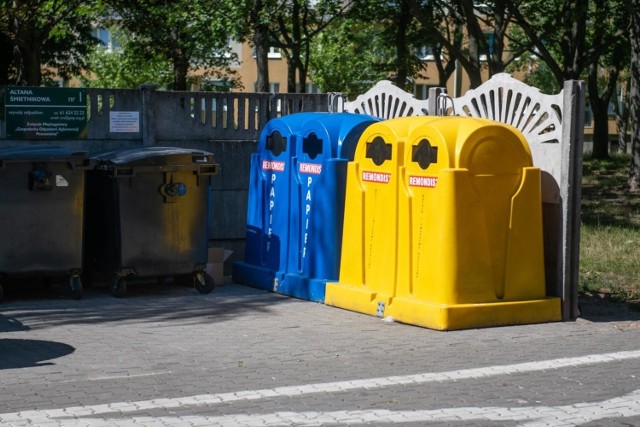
column 168, row 356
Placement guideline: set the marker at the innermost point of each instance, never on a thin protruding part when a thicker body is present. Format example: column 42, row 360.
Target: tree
column 350, row 56
column 192, row 35
column 121, row 68
column 42, row 35
column 483, row 25
column 577, row 39
column 401, row 35
column 621, row 111
column 604, row 69
column 259, row 14
column 297, row 23
column 633, row 9
column 260, row 24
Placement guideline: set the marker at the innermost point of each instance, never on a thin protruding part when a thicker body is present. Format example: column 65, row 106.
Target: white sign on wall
column 124, row 121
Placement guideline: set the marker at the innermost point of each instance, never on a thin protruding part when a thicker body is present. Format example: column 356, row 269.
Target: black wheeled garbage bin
column 42, row 210
column 148, row 216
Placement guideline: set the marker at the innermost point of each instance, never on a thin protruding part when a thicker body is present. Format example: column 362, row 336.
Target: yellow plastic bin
column 370, row 243
column 467, row 234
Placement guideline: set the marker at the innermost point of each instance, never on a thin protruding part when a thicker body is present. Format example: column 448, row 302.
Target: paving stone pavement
column 168, row 356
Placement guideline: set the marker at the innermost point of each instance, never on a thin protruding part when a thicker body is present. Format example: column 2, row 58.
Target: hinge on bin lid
column 123, row 172
column 208, row 169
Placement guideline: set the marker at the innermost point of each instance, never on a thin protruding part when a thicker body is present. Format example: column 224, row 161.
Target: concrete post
column 148, row 114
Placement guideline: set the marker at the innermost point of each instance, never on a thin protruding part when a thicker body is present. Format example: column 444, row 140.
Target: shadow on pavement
column 602, row 308
column 9, row 324
column 16, row 353
column 148, row 302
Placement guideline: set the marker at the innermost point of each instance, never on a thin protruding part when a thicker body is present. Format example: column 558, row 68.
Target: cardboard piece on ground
column 215, row 264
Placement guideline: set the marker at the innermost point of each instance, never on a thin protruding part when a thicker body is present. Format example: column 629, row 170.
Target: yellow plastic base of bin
column 353, row 298
column 445, row 317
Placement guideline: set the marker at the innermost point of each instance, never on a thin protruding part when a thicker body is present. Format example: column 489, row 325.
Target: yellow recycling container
column 369, row 263
column 459, row 244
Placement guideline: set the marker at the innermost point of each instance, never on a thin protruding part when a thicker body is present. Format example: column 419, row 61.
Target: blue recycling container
column 293, row 244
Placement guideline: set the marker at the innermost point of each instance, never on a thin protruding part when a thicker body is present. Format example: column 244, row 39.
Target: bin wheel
column 118, row 287
column 203, row 282
column 75, row 286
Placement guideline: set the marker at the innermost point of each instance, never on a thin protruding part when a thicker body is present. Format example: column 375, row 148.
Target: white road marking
column 118, row 377
column 628, row 405
column 529, row 416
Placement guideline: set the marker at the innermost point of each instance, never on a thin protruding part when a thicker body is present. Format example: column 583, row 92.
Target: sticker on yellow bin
column 463, row 243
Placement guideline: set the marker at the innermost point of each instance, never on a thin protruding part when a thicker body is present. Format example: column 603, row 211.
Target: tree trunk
column 634, row 96
column 600, row 129
column 291, row 76
column 6, row 58
column 500, row 25
column 28, row 54
column 261, row 44
column 475, row 40
column 599, row 103
column 402, row 46
column 621, row 111
column 30, row 72
column 180, row 72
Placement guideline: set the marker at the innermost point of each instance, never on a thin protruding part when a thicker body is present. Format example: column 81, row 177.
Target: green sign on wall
column 45, row 113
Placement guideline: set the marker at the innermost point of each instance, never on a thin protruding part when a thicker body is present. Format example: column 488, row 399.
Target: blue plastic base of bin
column 253, row 275
column 302, row 287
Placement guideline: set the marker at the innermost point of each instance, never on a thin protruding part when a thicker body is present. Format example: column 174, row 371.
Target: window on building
column 106, row 39
column 490, row 41
column 421, row 90
column 273, row 87
column 588, row 117
column 215, row 85
column 312, row 88
column 425, row 53
column 274, row 53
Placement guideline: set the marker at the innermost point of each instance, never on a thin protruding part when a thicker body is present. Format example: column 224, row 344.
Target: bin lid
column 153, row 156
column 42, row 153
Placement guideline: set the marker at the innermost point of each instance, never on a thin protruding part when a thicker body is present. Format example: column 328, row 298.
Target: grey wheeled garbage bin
column 42, row 210
column 148, row 215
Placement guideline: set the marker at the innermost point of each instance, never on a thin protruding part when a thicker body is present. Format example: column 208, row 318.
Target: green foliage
column 190, row 34
column 536, row 74
column 123, row 69
column 349, row 57
column 42, row 37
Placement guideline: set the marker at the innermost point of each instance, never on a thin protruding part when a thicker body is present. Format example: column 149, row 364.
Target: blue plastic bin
column 296, row 203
